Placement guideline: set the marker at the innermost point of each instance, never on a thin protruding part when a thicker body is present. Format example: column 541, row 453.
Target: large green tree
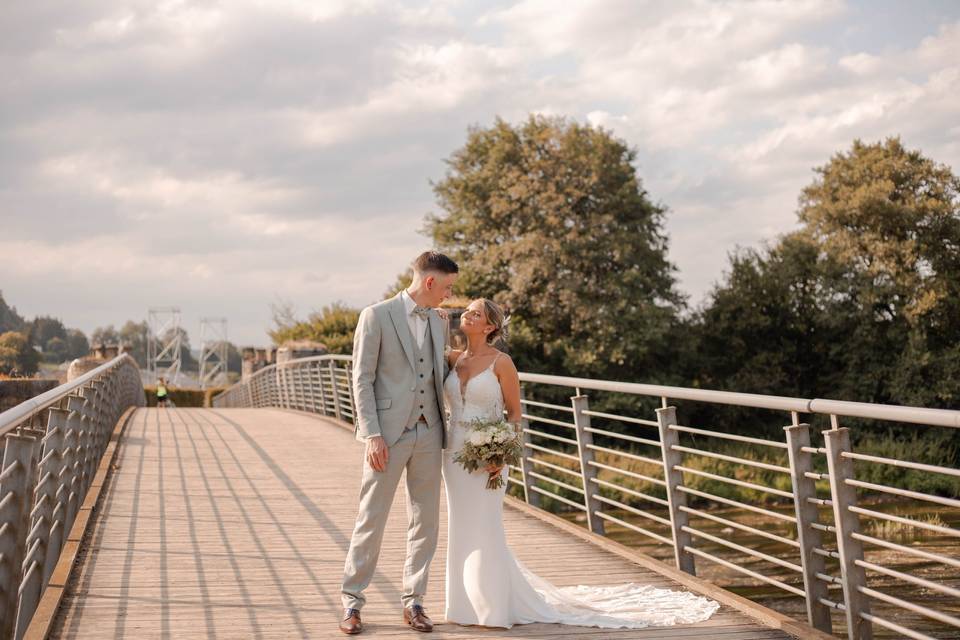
column 861, row 303
column 550, row 218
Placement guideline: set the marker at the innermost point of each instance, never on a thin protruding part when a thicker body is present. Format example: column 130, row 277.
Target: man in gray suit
column 398, row 372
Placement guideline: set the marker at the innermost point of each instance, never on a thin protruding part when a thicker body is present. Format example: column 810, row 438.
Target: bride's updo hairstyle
column 497, row 318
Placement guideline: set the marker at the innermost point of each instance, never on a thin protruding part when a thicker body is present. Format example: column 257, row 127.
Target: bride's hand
column 443, row 314
column 493, row 469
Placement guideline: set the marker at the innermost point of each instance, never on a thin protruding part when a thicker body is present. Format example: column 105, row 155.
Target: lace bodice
column 481, row 398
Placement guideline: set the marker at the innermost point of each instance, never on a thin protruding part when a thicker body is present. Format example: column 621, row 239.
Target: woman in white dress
column 485, row 584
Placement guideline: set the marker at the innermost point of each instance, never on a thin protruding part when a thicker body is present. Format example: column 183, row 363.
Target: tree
column 861, row 303
column 77, row 344
column 550, row 219
column 333, row 326
column 17, row 355
column 105, row 335
column 133, row 337
column 10, row 320
column 43, row 328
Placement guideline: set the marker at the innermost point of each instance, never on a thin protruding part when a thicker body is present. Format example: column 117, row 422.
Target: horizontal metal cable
column 737, row 525
column 624, row 454
column 547, row 405
column 558, row 423
column 631, row 474
column 826, row 553
column 737, row 547
column 954, row 562
column 555, row 467
column 735, row 503
column 550, row 494
column 570, row 487
column 744, row 570
column 621, row 436
column 906, row 493
column 733, row 481
column 839, row 606
column 630, row 492
column 915, row 523
column 728, row 436
column 893, row 626
column 633, row 527
column 919, row 466
column 550, row 436
column 633, row 510
column 827, row 578
column 553, row 452
column 721, row 456
column 920, row 582
column 613, row 416
column 910, row 606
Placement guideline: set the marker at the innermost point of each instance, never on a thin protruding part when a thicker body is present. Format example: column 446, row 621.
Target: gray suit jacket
column 384, row 375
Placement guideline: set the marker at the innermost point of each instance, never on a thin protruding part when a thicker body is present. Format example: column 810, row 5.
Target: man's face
column 439, row 287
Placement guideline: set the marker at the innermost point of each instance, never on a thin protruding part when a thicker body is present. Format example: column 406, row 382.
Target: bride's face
column 474, row 320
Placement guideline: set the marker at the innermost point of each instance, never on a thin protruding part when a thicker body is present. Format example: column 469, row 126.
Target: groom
column 398, row 372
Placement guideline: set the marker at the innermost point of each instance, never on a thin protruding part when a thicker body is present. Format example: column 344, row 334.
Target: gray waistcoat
column 425, row 400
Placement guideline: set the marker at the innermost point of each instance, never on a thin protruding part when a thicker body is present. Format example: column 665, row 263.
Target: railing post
column 801, row 463
column 676, row 498
column 847, row 523
column 532, row 497
column 336, row 391
column 587, row 471
column 16, row 499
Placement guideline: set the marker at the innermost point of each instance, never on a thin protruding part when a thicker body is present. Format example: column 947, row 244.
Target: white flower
column 477, row 437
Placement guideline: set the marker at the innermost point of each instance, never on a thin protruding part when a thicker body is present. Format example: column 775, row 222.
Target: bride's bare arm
column 510, row 386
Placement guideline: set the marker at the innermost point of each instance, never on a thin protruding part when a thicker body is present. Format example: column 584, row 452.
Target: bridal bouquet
column 494, row 442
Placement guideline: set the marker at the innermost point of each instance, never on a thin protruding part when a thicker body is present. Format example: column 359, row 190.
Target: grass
column 889, row 530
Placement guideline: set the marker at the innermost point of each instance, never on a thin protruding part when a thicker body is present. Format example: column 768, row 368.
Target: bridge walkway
column 234, row 523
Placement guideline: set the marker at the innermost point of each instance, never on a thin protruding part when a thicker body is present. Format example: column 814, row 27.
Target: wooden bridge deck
column 234, row 523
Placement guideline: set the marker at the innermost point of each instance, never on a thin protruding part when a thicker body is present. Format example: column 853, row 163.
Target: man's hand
column 377, row 453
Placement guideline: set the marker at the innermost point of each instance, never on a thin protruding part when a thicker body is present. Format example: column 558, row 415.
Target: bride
column 485, row 584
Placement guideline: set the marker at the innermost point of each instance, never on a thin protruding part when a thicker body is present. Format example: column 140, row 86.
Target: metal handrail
column 562, row 464
column 52, row 447
column 17, row 415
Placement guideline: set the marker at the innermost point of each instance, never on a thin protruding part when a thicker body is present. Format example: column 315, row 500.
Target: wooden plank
column 234, row 523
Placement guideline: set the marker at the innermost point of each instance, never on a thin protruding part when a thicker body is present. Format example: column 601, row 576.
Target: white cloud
column 219, row 155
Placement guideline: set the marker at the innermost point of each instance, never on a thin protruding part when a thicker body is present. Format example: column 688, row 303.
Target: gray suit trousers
column 418, row 451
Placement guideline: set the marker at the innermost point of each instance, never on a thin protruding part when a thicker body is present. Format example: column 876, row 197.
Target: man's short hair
column 436, row 262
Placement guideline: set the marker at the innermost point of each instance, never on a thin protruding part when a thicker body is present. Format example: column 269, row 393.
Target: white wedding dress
column 486, row 585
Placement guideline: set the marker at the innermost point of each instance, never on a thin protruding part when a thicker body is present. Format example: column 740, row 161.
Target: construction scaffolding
column 213, row 352
column 163, row 344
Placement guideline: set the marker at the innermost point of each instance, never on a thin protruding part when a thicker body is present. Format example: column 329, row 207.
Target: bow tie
column 422, row 312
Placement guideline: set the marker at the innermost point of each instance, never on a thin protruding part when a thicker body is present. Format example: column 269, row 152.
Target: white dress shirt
column 418, row 325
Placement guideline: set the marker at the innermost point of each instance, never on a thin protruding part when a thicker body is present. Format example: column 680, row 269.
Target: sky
column 223, row 156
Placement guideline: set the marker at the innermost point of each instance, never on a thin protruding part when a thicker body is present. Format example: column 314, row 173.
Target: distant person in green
column 162, row 393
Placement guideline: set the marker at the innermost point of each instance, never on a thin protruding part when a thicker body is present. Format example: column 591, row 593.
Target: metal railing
column 52, row 445
column 642, row 470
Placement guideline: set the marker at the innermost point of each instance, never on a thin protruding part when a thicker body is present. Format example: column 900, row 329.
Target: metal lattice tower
column 163, row 344
column 213, row 351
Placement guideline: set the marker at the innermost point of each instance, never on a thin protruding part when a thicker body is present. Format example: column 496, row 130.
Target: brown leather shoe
column 350, row 623
column 416, row 617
